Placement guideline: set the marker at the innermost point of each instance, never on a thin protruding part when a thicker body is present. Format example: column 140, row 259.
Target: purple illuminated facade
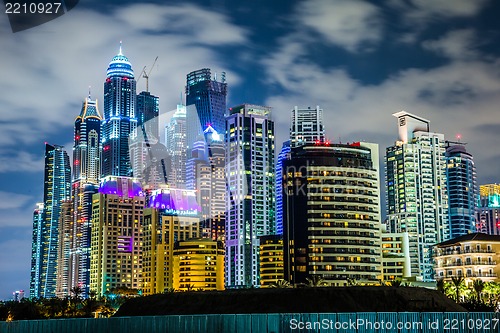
column 117, row 219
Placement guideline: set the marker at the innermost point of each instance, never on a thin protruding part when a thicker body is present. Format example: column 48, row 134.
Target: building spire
column 90, row 93
column 120, row 53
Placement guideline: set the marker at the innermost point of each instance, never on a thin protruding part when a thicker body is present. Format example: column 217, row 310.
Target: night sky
column 359, row 60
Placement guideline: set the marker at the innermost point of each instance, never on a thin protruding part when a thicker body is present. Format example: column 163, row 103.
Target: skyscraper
column 120, row 121
column 463, row 194
column 36, row 254
column 332, row 213
column 86, row 173
column 205, row 173
column 488, row 212
column 56, row 190
column 282, row 156
column 147, row 114
column 117, row 218
column 175, row 141
column 172, row 216
column 250, row 200
column 417, row 198
column 307, row 126
column 205, row 103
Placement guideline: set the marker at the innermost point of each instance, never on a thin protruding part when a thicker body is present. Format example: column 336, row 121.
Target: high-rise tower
column 282, row 156
column 36, row 247
column 86, row 173
column 463, row 193
column 120, row 121
column 332, row 213
column 488, row 212
column 250, row 197
column 205, row 172
column 175, row 141
column 56, row 190
column 205, row 102
column 116, row 241
column 307, row 126
column 417, row 198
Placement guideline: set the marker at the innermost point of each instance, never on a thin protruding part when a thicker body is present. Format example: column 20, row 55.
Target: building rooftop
column 470, row 237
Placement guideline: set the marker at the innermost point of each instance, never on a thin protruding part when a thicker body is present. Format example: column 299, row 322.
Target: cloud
column 352, row 25
column 20, row 161
column 9, row 200
column 456, row 44
column 422, row 11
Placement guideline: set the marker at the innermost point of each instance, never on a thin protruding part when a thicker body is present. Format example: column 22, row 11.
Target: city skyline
column 443, row 68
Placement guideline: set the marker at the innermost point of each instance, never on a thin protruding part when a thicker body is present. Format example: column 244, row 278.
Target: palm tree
column 395, row 283
column 76, row 291
column 458, row 282
column 280, row 284
column 316, row 281
column 478, row 286
column 441, row 285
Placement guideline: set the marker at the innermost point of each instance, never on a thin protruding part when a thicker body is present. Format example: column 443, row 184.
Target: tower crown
column 120, row 66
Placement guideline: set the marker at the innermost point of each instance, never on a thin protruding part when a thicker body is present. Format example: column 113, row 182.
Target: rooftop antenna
column 89, row 92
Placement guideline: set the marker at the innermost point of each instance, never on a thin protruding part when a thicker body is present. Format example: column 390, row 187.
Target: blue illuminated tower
column 205, row 103
column 463, row 193
column 285, row 151
column 120, row 119
column 147, row 114
column 56, row 190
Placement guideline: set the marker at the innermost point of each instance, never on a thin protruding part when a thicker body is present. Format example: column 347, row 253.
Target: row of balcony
column 469, row 263
column 449, row 253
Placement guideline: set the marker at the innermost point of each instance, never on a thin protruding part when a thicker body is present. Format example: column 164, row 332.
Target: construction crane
column 146, row 75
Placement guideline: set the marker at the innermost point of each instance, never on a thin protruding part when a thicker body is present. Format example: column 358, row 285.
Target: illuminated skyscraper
column 307, row 126
column 175, row 141
column 117, row 217
column 417, row 198
column 285, row 151
column 463, row 193
column 205, row 173
column 488, row 212
column 172, row 216
column 205, row 103
column 147, row 114
column 36, row 255
column 56, row 190
column 250, row 200
column 331, row 226
column 120, row 120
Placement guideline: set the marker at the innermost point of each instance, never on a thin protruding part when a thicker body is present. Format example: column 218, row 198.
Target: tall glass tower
column 36, row 247
column 205, row 103
column 120, row 121
column 417, row 198
column 282, row 156
column 56, row 190
column 86, row 173
column 463, row 193
column 250, row 200
column 147, row 114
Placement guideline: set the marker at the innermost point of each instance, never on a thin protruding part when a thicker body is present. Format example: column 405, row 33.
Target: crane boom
column 146, row 76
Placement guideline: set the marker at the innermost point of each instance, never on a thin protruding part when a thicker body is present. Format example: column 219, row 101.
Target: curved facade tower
column 331, row 222
column 463, row 193
column 120, row 120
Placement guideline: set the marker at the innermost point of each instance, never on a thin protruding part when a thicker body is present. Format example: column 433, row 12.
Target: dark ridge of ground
column 296, row 300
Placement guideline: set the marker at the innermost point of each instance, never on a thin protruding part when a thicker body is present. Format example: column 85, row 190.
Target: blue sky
column 360, row 61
